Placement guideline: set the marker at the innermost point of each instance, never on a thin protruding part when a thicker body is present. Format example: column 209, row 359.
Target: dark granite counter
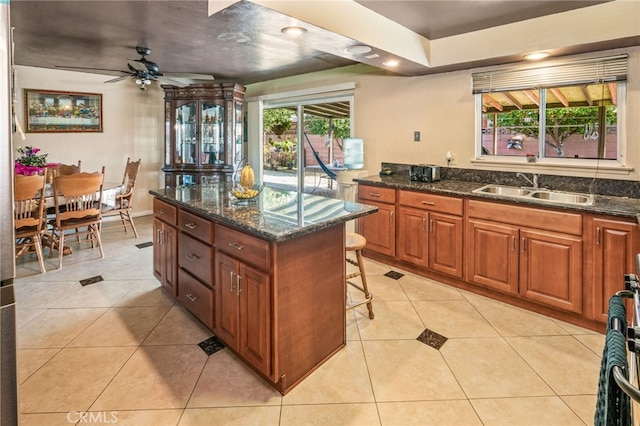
column 275, row 215
column 609, row 205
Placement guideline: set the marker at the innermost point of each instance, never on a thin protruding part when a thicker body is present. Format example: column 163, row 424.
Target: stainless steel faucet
column 534, row 182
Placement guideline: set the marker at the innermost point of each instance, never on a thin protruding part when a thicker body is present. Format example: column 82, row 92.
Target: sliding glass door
column 303, row 143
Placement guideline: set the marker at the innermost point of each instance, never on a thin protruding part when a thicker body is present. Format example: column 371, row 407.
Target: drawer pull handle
column 374, row 194
column 231, row 274
column 190, row 225
column 191, row 297
column 598, row 235
column 192, row 257
column 236, row 246
column 161, row 211
column 428, row 203
column 430, row 225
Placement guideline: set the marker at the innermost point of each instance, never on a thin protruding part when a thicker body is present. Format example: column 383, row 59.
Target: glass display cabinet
column 204, row 138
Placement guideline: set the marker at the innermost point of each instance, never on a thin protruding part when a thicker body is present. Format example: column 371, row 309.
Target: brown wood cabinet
column 522, row 251
column 204, row 136
column 379, row 228
column 243, row 310
column 430, row 230
column 611, row 246
column 165, row 245
column 491, row 255
column 551, row 269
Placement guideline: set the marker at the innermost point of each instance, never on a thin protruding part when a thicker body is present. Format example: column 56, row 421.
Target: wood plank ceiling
column 572, row 96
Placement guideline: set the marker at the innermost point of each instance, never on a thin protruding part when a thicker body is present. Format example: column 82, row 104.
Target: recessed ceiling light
column 293, row 31
column 358, row 49
column 391, row 63
column 536, row 56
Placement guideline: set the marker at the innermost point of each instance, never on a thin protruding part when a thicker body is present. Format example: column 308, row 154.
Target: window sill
column 609, row 166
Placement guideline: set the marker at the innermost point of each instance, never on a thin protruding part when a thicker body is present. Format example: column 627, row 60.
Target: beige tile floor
column 121, row 351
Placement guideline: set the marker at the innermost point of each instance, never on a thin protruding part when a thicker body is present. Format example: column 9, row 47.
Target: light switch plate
column 416, row 136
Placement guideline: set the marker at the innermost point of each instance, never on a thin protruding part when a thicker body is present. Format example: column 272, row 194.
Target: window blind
column 568, row 73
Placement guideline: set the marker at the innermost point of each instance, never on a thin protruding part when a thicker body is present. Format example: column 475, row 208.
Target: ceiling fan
column 144, row 72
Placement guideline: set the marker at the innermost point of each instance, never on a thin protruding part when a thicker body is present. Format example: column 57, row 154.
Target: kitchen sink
column 563, row 197
column 537, row 194
column 504, row 190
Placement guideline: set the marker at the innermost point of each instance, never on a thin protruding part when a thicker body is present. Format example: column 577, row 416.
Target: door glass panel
column 238, row 154
column 212, row 131
column 186, row 133
column 325, row 125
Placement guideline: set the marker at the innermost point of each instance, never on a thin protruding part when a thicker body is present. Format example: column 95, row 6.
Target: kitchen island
column 267, row 276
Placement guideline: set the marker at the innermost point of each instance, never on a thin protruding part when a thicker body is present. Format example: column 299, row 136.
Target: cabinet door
column 186, row 133
column 165, row 247
column 411, row 241
column 611, row 249
column 445, row 244
column 211, row 133
column 492, row 255
column 227, row 324
column 255, row 317
column 551, row 269
column 379, row 228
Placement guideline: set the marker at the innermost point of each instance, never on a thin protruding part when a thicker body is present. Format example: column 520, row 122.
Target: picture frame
column 50, row 111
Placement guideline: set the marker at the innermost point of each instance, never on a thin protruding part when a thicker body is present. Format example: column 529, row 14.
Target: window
column 564, row 111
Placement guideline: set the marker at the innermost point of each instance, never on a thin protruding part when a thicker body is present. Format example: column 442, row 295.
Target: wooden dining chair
column 62, row 170
column 124, row 202
column 28, row 209
column 77, row 204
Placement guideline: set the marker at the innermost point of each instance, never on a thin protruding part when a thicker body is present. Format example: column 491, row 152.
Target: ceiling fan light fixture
column 293, row 31
column 358, row 49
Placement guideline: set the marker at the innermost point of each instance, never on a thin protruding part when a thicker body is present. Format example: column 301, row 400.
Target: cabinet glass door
column 238, row 153
column 212, row 131
column 186, row 134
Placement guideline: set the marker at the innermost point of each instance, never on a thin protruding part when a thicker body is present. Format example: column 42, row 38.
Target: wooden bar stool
column 356, row 242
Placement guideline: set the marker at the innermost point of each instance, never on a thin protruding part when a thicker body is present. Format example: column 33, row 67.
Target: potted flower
column 30, row 162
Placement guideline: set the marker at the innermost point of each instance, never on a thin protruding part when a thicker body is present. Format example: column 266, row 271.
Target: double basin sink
column 540, row 194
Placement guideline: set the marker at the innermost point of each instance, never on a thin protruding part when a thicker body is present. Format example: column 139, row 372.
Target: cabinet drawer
column 244, row 247
column 376, row 193
column 432, row 202
column 197, row 298
column 164, row 211
column 196, row 257
column 530, row 217
column 197, row 226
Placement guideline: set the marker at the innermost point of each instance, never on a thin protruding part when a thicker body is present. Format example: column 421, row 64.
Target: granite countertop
column 615, row 206
column 274, row 215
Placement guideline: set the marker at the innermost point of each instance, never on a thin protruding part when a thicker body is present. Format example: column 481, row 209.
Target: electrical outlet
column 449, row 157
column 416, row 136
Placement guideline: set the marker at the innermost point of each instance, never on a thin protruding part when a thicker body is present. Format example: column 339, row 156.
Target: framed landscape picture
column 53, row 111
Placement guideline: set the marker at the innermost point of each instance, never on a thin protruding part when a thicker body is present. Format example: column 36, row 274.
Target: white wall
column 132, row 127
column 389, row 109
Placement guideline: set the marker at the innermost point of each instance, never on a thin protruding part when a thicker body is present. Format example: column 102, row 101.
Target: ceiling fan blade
column 189, row 76
column 114, row 80
column 165, row 80
column 138, row 66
